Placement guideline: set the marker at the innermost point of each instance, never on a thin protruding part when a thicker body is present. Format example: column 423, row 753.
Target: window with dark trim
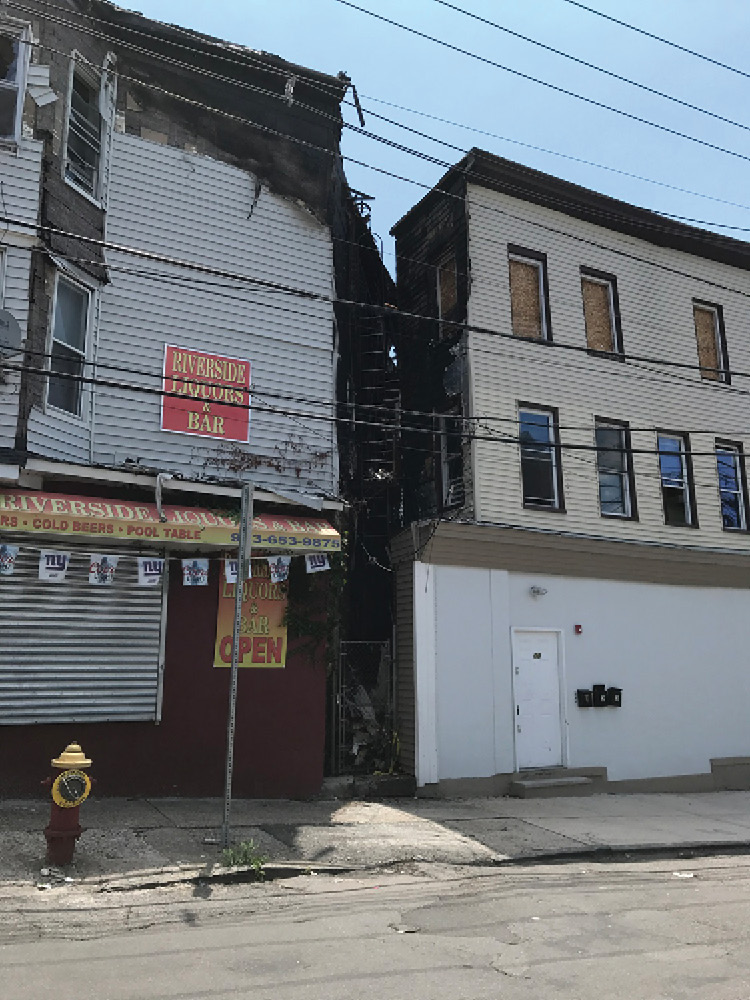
column 84, row 136
column 451, row 439
column 730, row 470
column 13, row 60
column 614, row 465
column 447, row 286
column 711, row 340
column 68, row 348
column 676, row 472
column 601, row 312
column 529, row 294
column 541, row 468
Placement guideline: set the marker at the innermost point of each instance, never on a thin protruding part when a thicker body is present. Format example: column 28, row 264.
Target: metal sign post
column 244, row 550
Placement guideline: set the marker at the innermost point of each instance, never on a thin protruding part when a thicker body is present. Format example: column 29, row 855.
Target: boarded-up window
column 526, row 305
column 447, row 286
column 707, row 335
column 598, row 314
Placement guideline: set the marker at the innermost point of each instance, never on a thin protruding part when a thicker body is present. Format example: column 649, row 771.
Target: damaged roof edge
column 125, row 18
column 527, row 184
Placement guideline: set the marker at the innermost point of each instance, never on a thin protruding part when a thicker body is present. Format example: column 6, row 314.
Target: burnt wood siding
column 429, row 350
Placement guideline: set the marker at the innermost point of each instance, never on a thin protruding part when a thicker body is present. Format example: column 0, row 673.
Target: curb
column 159, row 878
column 614, row 852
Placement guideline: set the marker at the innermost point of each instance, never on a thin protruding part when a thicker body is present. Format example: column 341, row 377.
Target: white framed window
column 84, row 132
column 614, row 469
column 68, row 346
column 451, row 460
column 730, row 470
column 676, row 480
column 14, row 58
column 541, row 471
column 529, row 298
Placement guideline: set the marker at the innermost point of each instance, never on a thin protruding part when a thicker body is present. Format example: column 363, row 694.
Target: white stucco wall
column 680, row 654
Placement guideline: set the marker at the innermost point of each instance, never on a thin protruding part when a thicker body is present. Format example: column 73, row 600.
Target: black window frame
column 535, row 257
column 665, row 432
column 555, row 449
column 736, row 446
column 725, row 375
column 611, row 279
column 623, row 426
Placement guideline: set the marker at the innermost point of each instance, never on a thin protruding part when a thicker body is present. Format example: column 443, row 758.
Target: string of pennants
column 54, row 565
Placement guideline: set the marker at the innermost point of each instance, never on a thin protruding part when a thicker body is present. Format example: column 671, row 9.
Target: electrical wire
column 589, row 65
column 659, row 38
column 545, row 83
column 335, row 118
column 382, row 311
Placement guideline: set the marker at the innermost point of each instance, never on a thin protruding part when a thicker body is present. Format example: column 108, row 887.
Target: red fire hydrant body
column 69, row 788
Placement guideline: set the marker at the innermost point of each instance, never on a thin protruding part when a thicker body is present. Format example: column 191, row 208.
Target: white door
column 536, row 686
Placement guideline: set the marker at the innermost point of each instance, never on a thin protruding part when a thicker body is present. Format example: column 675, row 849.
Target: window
column 676, row 480
column 615, row 469
column 68, row 351
column 529, row 295
column 451, row 460
column 601, row 312
column 730, row 468
column 541, row 472
column 712, row 347
column 447, row 287
column 12, row 71
column 84, row 139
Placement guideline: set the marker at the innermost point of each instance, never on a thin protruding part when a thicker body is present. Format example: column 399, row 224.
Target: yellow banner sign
column 262, row 629
column 96, row 517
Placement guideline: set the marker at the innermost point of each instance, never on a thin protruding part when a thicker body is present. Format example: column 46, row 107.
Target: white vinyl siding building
column 192, row 208
column 657, row 313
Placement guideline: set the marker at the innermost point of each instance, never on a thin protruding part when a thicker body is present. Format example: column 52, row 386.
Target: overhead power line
column 659, row 38
column 590, row 65
column 318, row 297
column 317, row 84
column 494, row 437
column 357, row 129
column 545, row 83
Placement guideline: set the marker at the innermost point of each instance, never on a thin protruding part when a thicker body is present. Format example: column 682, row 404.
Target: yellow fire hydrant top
column 71, row 758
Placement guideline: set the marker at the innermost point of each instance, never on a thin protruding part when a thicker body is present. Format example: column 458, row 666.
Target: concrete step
column 549, row 782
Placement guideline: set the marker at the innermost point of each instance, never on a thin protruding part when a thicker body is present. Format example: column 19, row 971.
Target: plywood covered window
column 529, row 306
column 709, row 335
column 601, row 312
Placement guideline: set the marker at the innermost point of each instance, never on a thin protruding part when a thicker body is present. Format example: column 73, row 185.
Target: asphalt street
column 658, row 929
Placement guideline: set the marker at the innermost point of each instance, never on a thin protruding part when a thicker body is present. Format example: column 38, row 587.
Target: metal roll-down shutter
column 74, row 652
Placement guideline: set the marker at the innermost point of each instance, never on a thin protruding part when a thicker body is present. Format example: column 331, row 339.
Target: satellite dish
column 10, row 333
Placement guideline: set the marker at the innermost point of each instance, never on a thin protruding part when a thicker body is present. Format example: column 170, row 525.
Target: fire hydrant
column 69, row 789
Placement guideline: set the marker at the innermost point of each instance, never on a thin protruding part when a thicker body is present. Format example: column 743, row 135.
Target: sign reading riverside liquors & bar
column 205, row 394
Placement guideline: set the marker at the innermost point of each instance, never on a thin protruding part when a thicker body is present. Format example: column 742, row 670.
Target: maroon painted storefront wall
column 280, row 735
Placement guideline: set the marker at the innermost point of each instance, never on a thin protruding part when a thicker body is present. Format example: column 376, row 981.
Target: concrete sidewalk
column 124, row 836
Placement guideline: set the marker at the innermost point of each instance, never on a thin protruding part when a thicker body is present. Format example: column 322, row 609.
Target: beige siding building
column 577, row 603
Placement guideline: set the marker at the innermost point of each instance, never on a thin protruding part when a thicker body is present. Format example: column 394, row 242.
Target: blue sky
column 388, row 64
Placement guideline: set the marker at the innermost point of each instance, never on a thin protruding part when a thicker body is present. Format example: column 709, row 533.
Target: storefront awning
column 102, row 519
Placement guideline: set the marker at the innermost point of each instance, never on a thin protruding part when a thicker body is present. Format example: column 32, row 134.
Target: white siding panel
column 20, row 172
column 191, row 207
column 14, row 296
column 657, row 321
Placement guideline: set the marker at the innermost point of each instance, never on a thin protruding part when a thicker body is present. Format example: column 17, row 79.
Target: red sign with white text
column 205, row 394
